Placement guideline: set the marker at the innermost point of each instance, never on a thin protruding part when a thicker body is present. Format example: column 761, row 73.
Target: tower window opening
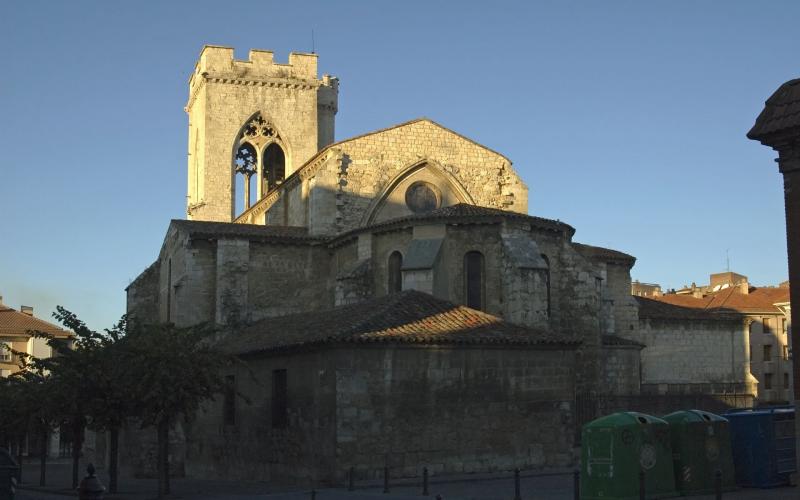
column 395, row 281
column 245, row 168
column 273, row 167
column 473, row 280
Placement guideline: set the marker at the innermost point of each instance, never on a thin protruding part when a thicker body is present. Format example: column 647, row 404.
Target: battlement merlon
column 218, row 61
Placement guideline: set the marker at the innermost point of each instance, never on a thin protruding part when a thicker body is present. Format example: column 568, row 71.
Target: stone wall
column 452, row 410
column 142, row 295
column 625, row 309
column 251, row 448
column 619, row 370
column 684, row 355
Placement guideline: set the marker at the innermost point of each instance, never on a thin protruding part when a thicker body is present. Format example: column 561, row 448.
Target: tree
column 176, row 370
column 28, row 409
column 101, row 361
column 88, row 383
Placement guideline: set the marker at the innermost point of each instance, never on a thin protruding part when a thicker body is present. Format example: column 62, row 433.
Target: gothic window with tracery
column 259, row 163
column 245, row 166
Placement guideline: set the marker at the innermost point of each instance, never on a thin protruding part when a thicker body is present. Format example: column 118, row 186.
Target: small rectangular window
column 766, row 325
column 783, row 326
column 5, row 352
column 767, row 381
column 280, row 400
column 785, row 352
column 767, row 353
column 229, row 405
column 785, row 380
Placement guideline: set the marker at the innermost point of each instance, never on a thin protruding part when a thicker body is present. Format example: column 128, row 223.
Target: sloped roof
column 13, row 322
column 408, row 317
column 465, row 212
column 613, row 340
column 604, row 253
column 781, row 113
column 411, row 122
column 203, row 229
column 676, row 307
column 729, row 301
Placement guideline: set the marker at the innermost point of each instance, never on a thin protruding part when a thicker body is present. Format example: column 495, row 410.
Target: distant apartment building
column 16, row 335
column 639, row 289
column 727, row 335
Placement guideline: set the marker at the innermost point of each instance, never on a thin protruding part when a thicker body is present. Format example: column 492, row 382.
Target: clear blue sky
column 627, row 120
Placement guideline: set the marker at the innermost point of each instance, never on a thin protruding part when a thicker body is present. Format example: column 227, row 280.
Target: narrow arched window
column 245, row 169
column 395, row 278
column 273, row 166
column 473, row 280
column 546, row 273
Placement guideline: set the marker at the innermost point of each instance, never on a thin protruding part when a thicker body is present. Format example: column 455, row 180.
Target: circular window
column 422, row 197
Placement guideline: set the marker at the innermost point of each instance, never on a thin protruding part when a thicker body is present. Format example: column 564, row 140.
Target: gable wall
column 344, row 191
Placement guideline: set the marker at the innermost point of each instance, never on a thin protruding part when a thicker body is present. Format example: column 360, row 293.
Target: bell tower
column 251, row 124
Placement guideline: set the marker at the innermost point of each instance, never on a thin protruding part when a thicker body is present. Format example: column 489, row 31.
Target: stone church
column 394, row 302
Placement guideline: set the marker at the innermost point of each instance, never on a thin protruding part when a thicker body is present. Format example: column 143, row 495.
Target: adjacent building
column 727, row 338
column 16, row 334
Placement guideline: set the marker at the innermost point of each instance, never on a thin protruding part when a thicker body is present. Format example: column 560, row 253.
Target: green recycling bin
column 701, row 445
column 616, row 448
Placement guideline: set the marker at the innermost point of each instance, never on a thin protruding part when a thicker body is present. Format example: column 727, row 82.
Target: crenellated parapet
column 216, row 61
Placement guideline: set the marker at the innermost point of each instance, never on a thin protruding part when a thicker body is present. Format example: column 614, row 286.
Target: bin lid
column 689, row 416
column 625, row 419
column 758, row 413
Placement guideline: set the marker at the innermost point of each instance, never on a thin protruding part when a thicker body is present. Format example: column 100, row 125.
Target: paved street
column 553, row 486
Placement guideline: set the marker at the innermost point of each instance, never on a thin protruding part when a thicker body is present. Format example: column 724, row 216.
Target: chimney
column 26, row 310
column 744, row 287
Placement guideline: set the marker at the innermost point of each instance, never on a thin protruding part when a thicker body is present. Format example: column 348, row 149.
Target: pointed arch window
column 245, row 168
column 474, row 280
column 395, row 278
column 274, row 166
column 259, row 162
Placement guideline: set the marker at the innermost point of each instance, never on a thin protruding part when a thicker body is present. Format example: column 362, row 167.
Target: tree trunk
column 163, row 458
column 43, row 458
column 77, row 444
column 113, row 453
column 20, row 444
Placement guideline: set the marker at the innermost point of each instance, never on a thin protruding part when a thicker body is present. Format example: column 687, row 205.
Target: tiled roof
column 465, row 212
column 781, row 113
column 408, row 317
column 729, row 301
column 13, row 322
column 604, row 253
column 251, row 231
column 613, row 340
column 675, row 307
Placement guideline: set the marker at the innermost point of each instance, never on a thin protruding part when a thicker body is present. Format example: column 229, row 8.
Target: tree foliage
column 153, row 373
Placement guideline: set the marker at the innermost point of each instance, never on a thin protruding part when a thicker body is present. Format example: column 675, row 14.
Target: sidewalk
column 556, row 485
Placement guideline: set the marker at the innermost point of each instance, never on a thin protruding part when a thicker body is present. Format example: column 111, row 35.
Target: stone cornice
column 292, row 83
